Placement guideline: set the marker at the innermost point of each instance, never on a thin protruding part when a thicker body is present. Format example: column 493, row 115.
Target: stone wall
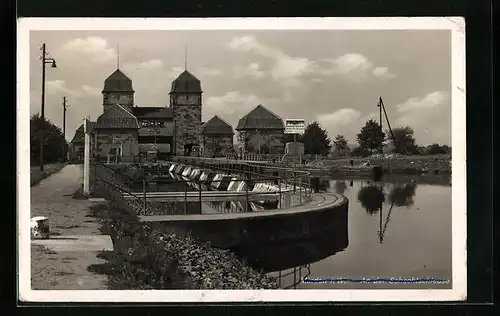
column 269, row 141
column 187, row 126
column 124, row 139
column 236, row 231
column 218, row 145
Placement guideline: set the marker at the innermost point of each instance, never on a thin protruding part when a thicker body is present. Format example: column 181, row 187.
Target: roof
column 117, row 117
column 118, row 82
column 186, row 82
column 79, row 136
column 152, row 112
column 218, row 126
column 260, row 118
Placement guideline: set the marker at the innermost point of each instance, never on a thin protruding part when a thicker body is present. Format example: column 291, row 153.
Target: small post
column 279, row 188
column 144, row 194
column 246, row 192
column 185, row 197
column 199, row 194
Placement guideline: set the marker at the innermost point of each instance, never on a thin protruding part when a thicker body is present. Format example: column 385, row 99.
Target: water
column 400, row 228
column 415, row 241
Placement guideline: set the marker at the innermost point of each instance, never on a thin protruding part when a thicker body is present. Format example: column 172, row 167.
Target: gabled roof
column 118, row 82
column 117, row 117
column 216, row 126
column 79, row 136
column 186, row 82
column 260, row 118
column 143, row 112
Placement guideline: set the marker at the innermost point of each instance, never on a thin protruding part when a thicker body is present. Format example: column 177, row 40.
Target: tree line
column 371, row 139
column 53, row 140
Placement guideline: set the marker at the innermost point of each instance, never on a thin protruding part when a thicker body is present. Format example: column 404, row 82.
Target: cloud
column 152, row 64
column 209, row 72
column 253, row 70
column 286, row 68
column 356, row 67
column 233, row 104
column 59, row 87
column 94, row 47
column 340, row 117
column 430, row 101
column 429, row 116
column 91, row 91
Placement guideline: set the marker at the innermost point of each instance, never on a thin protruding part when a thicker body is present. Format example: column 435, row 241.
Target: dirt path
column 67, row 270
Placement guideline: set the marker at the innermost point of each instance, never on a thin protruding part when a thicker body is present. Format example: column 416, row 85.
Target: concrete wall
column 187, row 126
column 269, row 141
column 111, row 138
column 224, row 144
column 248, row 230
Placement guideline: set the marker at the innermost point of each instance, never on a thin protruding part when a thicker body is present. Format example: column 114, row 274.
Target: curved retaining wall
column 241, row 230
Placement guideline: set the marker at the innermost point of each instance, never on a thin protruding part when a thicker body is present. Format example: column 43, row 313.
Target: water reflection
column 373, row 195
column 340, row 186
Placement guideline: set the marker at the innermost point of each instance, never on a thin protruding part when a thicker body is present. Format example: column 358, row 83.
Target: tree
column 404, row 141
column 371, row 136
column 54, row 141
column 436, row 149
column 340, row 144
column 316, row 140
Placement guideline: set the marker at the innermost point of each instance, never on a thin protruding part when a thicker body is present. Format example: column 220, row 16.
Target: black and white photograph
column 238, row 160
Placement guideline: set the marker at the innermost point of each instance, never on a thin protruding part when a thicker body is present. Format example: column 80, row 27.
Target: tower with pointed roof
column 186, row 104
column 118, row 90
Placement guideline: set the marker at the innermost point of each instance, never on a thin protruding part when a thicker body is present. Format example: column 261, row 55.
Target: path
column 66, row 270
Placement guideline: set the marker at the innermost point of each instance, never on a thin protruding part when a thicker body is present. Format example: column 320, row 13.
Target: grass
column 36, row 175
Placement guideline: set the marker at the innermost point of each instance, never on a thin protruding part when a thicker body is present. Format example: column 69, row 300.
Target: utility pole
column 52, row 61
column 381, row 130
column 43, row 107
column 64, row 128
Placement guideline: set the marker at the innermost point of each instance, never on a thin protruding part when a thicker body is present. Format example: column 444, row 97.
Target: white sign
column 295, row 126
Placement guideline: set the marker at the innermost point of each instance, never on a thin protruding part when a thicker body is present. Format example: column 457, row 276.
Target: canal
column 415, row 243
column 398, row 228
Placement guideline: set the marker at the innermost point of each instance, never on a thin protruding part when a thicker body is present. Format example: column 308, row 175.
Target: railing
column 284, row 194
column 255, row 157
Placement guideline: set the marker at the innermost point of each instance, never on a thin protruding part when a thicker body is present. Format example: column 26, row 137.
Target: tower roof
column 216, row 125
column 260, row 118
column 186, row 82
column 118, row 82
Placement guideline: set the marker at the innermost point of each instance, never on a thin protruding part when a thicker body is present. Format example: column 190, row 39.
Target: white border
column 455, row 25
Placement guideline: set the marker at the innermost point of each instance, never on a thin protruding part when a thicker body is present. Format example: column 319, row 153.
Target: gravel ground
column 67, row 216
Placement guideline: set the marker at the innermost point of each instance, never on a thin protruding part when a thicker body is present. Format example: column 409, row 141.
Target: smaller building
column 116, row 135
column 157, row 130
column 261, row 131
column 217, row 137
column 76, row 146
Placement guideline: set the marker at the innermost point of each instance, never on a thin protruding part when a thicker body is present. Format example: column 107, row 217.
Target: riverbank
column 391, row 164
column 36, row 175
column 144, row 258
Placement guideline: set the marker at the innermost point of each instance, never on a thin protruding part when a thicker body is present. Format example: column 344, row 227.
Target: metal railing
column 276, row 193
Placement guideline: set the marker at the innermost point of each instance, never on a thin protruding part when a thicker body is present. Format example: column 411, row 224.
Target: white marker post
column 86, row 158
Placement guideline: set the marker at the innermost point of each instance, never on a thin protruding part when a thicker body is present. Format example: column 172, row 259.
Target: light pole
column 45, row 61
column 65, row 106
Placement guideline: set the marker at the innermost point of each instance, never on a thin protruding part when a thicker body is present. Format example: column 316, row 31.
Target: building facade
column 217, row 137
column 186, row 104
column 261, row 132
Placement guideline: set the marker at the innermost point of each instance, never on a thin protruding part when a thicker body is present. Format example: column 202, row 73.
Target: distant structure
column 217, row 137
column 76, row 146
column 261, row 131
column 125, row 130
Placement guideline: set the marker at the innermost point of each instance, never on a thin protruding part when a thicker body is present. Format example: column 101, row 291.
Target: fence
column 145, row 191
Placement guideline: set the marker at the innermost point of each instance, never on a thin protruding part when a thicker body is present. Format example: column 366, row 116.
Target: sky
column 334, row 77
